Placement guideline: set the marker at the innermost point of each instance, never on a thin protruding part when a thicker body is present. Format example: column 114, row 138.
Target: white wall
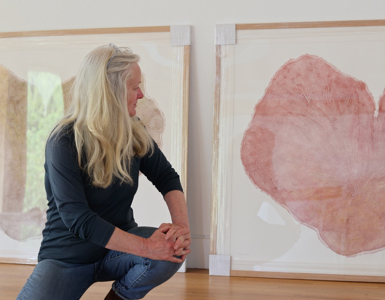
column 202, row 15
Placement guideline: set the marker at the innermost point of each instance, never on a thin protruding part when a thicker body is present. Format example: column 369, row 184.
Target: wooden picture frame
column 251, row 233
column 165, row 61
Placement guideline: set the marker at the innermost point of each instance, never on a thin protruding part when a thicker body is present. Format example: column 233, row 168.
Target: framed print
column 298, row 152
column 37, row 70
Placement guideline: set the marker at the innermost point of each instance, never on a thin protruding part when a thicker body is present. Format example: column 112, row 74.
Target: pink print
column 315, row 145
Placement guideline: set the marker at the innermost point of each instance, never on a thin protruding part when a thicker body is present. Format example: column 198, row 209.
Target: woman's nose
column 140, row 94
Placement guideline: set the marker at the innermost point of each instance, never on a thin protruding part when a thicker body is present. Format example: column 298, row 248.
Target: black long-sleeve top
column 81, row 217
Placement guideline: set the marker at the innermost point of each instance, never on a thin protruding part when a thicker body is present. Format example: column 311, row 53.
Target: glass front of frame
column 301, row 144
column 36, row 75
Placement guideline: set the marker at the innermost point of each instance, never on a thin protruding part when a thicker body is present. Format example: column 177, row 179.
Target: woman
column 93, row 159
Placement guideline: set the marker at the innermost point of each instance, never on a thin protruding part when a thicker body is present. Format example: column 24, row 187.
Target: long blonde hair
column 106, row 137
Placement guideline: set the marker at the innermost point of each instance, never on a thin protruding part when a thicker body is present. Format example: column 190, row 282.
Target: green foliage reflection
column 45, row 108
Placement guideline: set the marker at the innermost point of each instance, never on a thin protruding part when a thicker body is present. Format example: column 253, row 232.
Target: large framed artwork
column 299, row 151
column 36, row 72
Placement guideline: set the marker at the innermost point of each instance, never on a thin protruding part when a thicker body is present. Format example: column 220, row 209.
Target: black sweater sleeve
column 160, row 172
column 66, row 189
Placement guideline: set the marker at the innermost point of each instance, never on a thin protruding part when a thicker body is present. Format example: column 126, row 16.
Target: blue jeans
column 133, row 276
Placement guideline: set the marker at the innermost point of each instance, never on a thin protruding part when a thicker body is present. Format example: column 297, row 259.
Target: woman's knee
column 165, row 269
column 144, row 277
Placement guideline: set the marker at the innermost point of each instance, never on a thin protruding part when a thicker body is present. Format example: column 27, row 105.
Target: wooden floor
column 198, row 285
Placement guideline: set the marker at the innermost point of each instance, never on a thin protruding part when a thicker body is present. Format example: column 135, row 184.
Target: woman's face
column 133, row 90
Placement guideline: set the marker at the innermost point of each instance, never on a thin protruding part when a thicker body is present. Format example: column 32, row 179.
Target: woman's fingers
column 180, row 236
column 176, row 231
column 183, row 241
column 165, row 224
column 184, row 251
column 164, row 228
column 183, row 245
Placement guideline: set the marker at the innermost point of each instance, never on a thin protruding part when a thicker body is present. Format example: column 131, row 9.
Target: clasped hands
column 170, row 242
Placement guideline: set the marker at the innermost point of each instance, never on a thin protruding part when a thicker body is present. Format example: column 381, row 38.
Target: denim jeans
column 133, row 276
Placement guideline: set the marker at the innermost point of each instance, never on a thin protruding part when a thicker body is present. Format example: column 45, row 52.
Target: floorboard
column 198, row 285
